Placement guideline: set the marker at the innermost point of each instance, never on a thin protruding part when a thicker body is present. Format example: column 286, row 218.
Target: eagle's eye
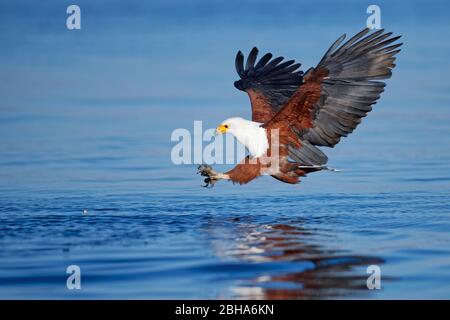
column 226, row 126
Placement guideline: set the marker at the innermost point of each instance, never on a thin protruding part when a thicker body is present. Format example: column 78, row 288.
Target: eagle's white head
column 247, row 132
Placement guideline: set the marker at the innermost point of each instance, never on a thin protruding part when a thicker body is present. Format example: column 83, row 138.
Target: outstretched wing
column 269, row 82
column 339, row 91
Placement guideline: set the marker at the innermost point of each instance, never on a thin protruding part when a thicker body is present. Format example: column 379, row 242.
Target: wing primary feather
column 365, row 40
column 240, row 63
column 263, row 61
column 251, row 59
column 355, row 38
column 273, row 63
column 333, row 47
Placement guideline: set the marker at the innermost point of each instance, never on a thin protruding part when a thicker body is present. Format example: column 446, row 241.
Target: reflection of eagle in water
column 294, row 112
column 292, row 262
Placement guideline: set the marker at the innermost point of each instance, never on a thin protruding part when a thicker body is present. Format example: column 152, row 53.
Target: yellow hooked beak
column 223, row 128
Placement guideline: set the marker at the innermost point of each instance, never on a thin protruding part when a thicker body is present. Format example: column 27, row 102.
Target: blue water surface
column 86, row 177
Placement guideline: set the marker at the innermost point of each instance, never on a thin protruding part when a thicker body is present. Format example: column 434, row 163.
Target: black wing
column 270, row 82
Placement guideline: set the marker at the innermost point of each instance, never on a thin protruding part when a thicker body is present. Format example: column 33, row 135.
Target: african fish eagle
column 306, row 110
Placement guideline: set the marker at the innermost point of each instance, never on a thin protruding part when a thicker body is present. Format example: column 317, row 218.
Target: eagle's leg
column 211, row 176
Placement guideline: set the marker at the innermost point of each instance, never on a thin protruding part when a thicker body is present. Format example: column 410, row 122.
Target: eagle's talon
column 207, row 171
column 204, row 170
column 209, row 183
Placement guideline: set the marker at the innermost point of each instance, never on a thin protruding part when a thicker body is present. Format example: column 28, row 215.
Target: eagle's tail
column 308, row 169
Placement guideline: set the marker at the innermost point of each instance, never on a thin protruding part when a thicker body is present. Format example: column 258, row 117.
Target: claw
column 206, row 171
column 209, row 183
